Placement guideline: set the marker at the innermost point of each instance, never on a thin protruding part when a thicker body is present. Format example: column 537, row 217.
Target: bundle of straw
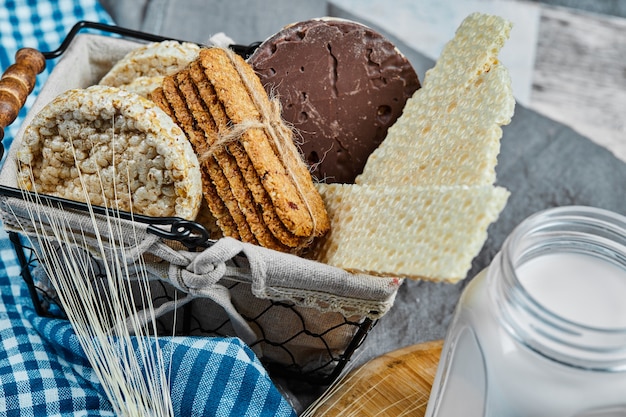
column 112, row 315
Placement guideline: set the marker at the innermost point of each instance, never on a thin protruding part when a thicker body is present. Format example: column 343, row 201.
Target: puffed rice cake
column 112, row 148
column 143, row 69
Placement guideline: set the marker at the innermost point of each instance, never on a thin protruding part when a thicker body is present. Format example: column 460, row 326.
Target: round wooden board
column 395, row 384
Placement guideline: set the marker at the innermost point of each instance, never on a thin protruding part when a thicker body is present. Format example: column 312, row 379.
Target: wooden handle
column 17, row 83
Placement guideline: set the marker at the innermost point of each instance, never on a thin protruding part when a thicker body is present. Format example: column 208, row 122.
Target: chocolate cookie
column 341, row 85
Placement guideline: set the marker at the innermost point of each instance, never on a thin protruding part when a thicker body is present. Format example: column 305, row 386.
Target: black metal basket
column 193, row 236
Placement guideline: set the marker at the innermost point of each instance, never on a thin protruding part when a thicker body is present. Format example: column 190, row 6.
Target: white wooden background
column 579, row 75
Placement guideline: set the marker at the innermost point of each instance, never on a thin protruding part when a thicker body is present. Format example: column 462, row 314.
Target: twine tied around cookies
column 280, row 135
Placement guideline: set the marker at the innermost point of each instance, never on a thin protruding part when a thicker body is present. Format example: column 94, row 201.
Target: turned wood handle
column 17, row 83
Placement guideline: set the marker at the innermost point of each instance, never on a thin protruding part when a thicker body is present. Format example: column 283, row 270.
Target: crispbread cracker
column 126, row 151
column 446, row 135
column 422, row 205
column 222, row 166
column 150, row 60
column 202, row 100
column 416, row 232
column 219, row 196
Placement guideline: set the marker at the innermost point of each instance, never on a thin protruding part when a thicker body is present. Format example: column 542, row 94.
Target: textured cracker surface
column 200, row 96
column 186, row 102
column 114, row 148
column 271, row 164
column 422, row 206
column 248, row 174
column 215, row 206
column 415, row 232
column 148, row 63
column 450, row 130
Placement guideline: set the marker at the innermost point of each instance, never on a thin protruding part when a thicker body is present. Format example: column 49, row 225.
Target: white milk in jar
column 542, row 331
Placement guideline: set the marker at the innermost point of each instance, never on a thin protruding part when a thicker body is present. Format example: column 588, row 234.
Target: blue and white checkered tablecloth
column 43, row 371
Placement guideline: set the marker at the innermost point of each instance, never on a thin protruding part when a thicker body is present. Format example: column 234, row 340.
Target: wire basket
column 303, row 332
column 321, row 369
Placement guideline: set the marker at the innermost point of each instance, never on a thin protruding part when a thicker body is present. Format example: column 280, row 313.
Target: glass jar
column 542, row 330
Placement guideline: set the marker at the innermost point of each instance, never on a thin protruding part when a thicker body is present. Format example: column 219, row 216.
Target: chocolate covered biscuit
column 341, row 85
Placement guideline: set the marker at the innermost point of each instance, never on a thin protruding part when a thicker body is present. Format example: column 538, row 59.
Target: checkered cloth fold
column 43, row 370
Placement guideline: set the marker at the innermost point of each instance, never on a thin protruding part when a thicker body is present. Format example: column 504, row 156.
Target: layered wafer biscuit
column 423, row 204
column 428, row 233
column 459, row 59
column 450, row 129
column 448, row 134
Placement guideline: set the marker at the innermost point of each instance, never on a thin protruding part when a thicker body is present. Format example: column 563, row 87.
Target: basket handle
column 17, row 83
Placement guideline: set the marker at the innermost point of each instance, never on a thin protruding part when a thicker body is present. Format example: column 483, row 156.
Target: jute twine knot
column 272, row 122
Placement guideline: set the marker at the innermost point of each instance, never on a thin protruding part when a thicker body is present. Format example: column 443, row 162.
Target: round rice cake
column 144, row 85
column 112, row 148
column 151, row 60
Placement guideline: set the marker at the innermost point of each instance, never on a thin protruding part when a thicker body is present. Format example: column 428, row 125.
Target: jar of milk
column 542, row 330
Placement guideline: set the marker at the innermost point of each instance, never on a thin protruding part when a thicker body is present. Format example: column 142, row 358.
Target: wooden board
column 395, row 384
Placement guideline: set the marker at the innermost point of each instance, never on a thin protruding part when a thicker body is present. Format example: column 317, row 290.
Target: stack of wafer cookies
column 255, row 182
column 422, row 205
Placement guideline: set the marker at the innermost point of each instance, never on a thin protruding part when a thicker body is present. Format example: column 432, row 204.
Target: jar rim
column 529, row 320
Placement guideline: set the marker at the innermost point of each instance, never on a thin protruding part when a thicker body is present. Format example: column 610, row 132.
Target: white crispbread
column 416, row 232
column 423, row 204
column 71, row 150
column 151, row 60
column 446, row 135
column 472, row 51
column 449, row 132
